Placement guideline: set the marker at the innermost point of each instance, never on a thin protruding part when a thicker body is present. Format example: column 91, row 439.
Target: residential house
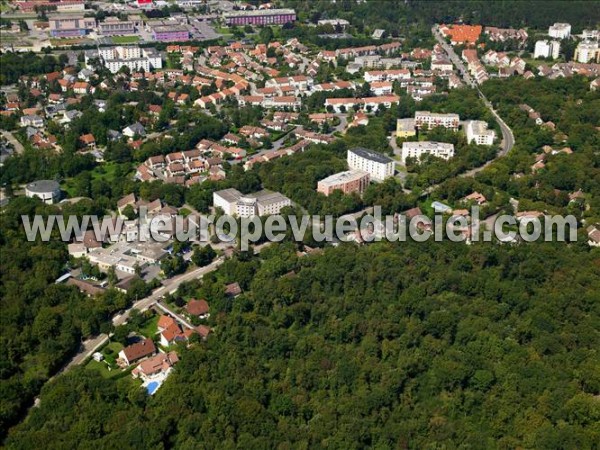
column 136, row 352
column 159, row 364
column 135, row 129
column 198, row 308
column 88, row 140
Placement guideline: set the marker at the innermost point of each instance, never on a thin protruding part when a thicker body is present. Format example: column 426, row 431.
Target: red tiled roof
column 462, row 33
column 165, row 321
column 197, row 307
column 139, row 350
column 171, row 332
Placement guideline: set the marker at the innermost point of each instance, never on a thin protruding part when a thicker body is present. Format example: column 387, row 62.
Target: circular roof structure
column 41, row 186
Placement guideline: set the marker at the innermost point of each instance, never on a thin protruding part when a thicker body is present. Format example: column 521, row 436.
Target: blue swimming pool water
column 152, row 387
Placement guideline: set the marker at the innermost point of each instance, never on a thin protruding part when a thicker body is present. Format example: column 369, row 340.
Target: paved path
column 178, row 317
column 13, row 140
column 508, row 139
column 89, row 346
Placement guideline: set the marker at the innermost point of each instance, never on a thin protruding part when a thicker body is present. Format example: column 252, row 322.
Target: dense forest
column 575, row 111
column 14, row 65
column 384, row 346
column 42, row 323
column 398, row 17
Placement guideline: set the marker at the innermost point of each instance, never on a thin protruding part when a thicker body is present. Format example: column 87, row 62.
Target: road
column 89, row 346
column 13, row 140
column 508, row 138
column 343, row 123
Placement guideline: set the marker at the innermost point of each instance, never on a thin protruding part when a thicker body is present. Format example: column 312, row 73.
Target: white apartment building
column 432, row 120
column 587, row 52
column 269, row 203
column 560, row 31
column 590, row 34
column 136, row 58
column 387, row 75
column 545, row 49
column 227, row 199
column 378, row 166
column 246, row 206
column 441, row 63
column 417, row 149
column 262, row 203
column 478, row 133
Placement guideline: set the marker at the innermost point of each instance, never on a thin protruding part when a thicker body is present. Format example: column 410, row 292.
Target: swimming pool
column 152, row 387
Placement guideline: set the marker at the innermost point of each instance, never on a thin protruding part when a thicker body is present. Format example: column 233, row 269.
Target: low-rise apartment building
column 348, row 182
column 450, row 121
column 260, row 17
column 262, row 203
column 134, row 57
column 478, row 133
column 418, row 149
column 378, row 166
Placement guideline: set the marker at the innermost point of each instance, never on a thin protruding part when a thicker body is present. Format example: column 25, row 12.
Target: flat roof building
column 112, row 26
column 347, row 182
column 170, row 33
column 405, row 128
column 432, row 120
column 134, row 57
column 70, row 25
column 378, row 166
column 262, row 203
column 46, row 190
column 418, row 149
column 260, row 17
column 478, row 133
column 560, row 30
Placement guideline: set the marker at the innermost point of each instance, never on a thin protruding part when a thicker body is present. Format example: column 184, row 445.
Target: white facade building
column 227, row 199
column 478, row 133
column 590, row 34
column 432, row 120
column 545, row 49
column 587, row 52
column 378, row 166
column 46, row 190
column 417, row 149
column 135, row 58
column 262, row 203
column 560, row 31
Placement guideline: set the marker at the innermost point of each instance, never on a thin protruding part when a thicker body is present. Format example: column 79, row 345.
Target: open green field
column 125, row 39
column 150, row 327
column 104, row 171
column 107, row 368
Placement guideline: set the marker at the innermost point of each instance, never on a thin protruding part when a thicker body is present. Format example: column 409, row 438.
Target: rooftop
column 262, row 12
column 371, row 155
column 43, row 186
column 344, row 177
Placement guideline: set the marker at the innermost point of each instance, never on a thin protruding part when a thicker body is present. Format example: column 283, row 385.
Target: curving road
column 508, row 138
column 89, row 346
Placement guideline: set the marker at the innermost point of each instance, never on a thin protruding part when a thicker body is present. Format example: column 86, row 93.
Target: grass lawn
column 110, row 352
column 538, row 62
column 69, row 42
column 125, row 39
column 9, row 37
column 150, row 327
column 104, row 171
column 184, row 212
